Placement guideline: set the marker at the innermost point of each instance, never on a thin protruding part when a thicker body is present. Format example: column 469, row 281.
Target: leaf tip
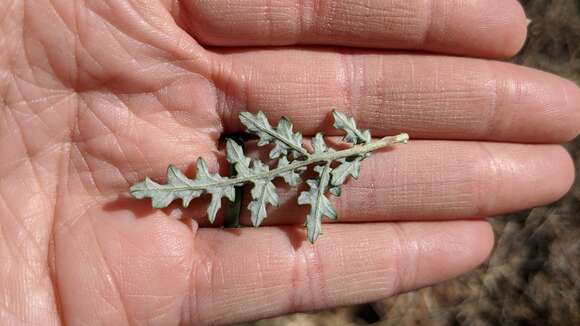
column 313, row 236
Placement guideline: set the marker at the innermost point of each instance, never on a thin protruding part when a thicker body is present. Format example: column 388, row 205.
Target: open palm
column 98, row 94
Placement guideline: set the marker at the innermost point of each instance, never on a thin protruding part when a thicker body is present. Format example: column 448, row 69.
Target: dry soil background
column 533, row 275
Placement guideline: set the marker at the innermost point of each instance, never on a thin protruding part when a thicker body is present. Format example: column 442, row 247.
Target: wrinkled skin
column 98, row 94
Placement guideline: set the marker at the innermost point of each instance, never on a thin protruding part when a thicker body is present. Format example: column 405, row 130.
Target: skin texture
column 96, row 95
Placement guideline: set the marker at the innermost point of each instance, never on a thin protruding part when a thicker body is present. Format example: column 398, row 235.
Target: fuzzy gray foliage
column 333, row 168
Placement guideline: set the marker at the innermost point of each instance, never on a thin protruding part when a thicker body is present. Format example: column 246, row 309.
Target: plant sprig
column 333, row 169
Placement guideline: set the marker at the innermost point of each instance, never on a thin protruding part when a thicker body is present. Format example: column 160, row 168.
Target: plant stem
column 311, row 159
column 326, row 157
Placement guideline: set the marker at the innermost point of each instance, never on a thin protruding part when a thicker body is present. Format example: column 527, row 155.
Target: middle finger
column 432, row 97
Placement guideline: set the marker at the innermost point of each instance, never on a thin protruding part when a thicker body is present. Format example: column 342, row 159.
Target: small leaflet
column 259, row 125
column 344, row 170
column 353, row 134
column 235, row 155
column 319, row 205
column 263, row 193
column 318, row 144
column 288, row 141
column 213, row 184
column 291, row 177
column 283, row 138
column 178, row 186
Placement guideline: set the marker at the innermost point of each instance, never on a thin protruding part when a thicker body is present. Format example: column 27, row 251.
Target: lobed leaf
column 178, row 186
column 318, row 144
column 259, row 125
column 213, row 184
column 353, row 134
column 283, row 138
column 235, row 155
column 263, row 193
column 319, row 205
column 291, row 177
column 344, row 170
column 289, row 141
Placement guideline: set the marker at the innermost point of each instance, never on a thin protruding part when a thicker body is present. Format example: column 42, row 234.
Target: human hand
column 96, row 95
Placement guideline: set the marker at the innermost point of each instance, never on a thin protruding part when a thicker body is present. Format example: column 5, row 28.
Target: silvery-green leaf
column 161, row 195
column 178, row 186
column 336, row 191
column 284, row 139
column 315, row 197
column 344, row 170
column 235, row 155
column 177, row 179
column 259, row 125
column 319, row 205
column 263, row 193
column 291, row 177
column 353, row 134
column 318, row 144
column 293, row 159
column 216, row 200
column 213, row 185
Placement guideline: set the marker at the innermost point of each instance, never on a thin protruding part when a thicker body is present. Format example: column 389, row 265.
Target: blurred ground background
column 533, row 275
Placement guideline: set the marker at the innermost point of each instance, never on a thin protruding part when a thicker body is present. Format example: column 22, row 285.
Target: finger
column 433, row 180
column 481, row 28
column 249, row 274
column 426, row 96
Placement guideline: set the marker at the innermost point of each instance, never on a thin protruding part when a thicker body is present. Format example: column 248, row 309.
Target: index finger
column 483, row 28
